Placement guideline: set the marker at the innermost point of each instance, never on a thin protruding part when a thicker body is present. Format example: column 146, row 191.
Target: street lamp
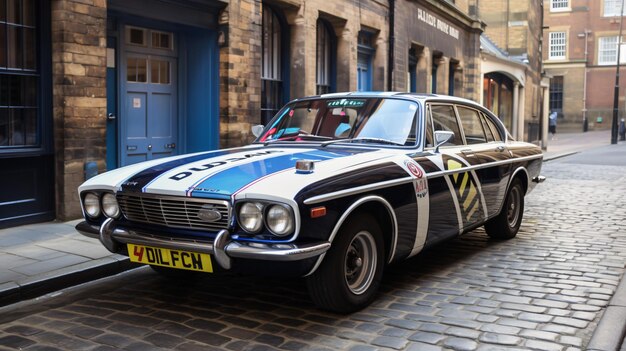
column 616, row 91
column 586, row 36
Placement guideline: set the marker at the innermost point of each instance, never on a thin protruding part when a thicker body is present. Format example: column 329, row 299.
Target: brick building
column 511, row 70
column 92, row 85
column 580, row 54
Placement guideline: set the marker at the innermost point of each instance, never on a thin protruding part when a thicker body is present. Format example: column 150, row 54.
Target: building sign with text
column 437, row 23
column 437, row 32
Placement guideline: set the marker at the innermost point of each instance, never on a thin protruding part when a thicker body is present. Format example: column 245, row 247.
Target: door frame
column 197, row 96
column 119, row 23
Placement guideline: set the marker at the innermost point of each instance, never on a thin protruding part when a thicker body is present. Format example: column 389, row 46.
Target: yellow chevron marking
column 466, row 201
column 464, row 183
column 471, row 212
column 452, row 164
column 470, row 196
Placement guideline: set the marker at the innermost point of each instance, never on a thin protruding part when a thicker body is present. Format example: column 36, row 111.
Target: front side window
column 271, row 65
column 354, row 120
column 444, row 119
column 19, row 75
column 557, row 46
column 612, row 8
column 607, row 51
column 559, row 5
column 472, row 126
column 324, row 58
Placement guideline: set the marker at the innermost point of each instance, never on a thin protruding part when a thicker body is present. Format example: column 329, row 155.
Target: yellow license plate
column 193, row 261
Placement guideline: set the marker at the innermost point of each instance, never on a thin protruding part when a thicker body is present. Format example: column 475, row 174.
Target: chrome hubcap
column 360, row 263
column 513, row 207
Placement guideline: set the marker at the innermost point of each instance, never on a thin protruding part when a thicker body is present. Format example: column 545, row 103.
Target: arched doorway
column 498, row 96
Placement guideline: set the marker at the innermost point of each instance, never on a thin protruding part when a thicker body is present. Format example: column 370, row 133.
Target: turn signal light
column 318, row 212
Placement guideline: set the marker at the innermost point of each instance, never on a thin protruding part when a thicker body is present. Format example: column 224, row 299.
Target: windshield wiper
column 301, row 136
column 363, row 140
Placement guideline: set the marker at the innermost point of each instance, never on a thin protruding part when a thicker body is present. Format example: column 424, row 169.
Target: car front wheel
column 506, row 224
column 350, row 274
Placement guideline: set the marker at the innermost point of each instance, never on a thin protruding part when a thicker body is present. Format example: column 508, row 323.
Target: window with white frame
column 607, row 51
column 612, row 8
column 557, row 46
column 559, row 5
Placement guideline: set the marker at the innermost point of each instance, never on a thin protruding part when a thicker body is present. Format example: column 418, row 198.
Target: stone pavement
column 571, row 143
column 536, row 292
column 40, row 258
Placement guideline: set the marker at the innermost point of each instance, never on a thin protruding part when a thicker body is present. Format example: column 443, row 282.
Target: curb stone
column 610, row 331
column 12, row 292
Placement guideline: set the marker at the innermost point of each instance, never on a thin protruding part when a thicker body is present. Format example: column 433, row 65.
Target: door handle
column 149, row 147
column 111, row 116
column 468, row 152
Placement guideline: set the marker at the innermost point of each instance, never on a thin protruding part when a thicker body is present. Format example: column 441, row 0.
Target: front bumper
column 222, row 248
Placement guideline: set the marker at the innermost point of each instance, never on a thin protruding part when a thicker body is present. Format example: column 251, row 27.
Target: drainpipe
column 390, row 64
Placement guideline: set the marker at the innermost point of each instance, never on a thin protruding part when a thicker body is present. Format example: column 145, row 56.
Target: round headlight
column 251, row 217
column 92, row 205
column 109, row 206
column 279, row 220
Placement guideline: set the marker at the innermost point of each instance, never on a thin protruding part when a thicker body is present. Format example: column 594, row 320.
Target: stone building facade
column 513, row 85
column 108, row 83
column 580, row 55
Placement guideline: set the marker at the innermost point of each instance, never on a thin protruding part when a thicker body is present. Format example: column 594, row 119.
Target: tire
column 351, row 272
column 506, row 224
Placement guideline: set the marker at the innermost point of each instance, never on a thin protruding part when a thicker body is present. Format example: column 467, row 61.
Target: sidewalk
column 571, row 143
column 42, row 258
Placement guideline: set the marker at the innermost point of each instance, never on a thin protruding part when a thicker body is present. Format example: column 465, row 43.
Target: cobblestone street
column 544, row 290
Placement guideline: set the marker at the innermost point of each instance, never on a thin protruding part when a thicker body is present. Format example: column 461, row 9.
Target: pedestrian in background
column 552, row 124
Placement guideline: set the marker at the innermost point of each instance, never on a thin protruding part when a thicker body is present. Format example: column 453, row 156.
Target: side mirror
column 257, row 130
column 442, row 137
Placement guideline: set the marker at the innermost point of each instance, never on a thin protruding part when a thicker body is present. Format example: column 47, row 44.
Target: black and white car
column 334, row 189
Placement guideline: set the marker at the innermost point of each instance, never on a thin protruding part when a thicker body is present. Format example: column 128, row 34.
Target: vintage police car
column 335, row 188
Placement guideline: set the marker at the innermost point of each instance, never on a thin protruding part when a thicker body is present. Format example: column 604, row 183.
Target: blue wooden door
column 150, row 119
column 364, row 75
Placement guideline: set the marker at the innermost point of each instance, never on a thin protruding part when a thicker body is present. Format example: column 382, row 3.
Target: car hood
column 229, row 173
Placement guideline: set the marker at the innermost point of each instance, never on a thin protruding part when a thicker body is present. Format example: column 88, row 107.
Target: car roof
column 420, row 97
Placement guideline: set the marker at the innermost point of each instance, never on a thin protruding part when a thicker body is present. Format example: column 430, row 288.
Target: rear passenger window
column 494, row 129
column 472, row 126
column 444, row 118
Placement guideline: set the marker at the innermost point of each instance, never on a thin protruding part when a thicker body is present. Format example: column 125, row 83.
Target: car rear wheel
column 350, row 274
column 506, row 224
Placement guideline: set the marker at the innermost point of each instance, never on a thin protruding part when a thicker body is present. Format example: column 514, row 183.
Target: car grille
column 174, row 212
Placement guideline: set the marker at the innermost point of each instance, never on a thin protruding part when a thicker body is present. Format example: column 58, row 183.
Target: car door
column 456, row 200
column 484, row 153
column 496, row 176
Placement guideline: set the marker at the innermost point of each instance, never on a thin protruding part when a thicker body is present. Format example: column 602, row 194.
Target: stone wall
column 240, row 72
column 463, row 52
column 240, row 60
column 79, row 95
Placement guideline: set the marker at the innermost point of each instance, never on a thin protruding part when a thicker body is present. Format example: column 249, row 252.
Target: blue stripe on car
column 227, row 182
column 138, row 181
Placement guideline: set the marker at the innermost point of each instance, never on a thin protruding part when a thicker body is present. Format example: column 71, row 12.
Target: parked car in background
column 335, row 188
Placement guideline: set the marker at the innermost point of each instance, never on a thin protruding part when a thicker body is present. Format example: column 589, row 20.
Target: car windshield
column 356, row 120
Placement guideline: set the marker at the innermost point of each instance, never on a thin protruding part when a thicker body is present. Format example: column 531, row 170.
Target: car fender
column 355, row 206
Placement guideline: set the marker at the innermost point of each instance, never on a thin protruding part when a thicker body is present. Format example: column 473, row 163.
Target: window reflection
column 19, row 79
column 136, row 70
column 159, row 72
